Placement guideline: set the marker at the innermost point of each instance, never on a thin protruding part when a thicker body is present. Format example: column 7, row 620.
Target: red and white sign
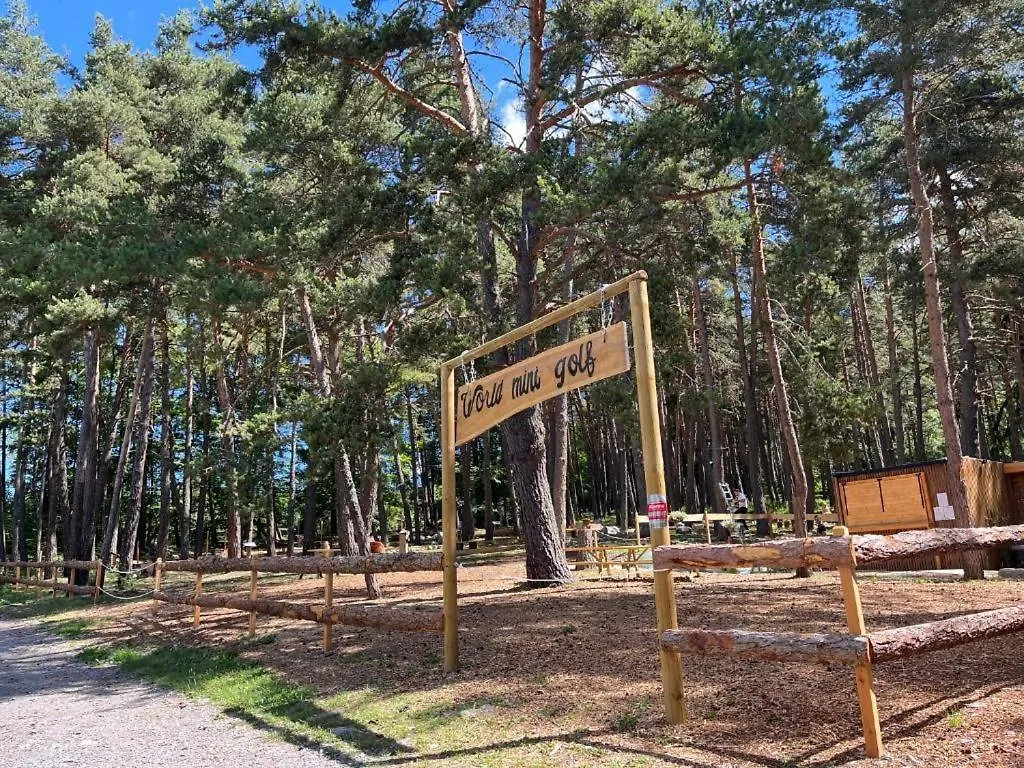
column 657, row 510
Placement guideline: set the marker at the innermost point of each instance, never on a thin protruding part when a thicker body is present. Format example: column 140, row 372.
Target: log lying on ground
column 389, row 562
column 935, row 541
column 768, row 646
column 60, row 586
column 901, row 642
column 1015, row 574
column 819, row 551
column 378, row 616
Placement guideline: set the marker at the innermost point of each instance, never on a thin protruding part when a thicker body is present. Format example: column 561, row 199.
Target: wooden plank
column 916, row 639
column 817, row 551
column 769, row 646
column 479, row 405
column 546, row 321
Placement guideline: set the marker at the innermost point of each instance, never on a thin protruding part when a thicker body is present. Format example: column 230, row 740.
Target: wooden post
column 199, row 590
column 158, row 577
column 403, row 541
column 252, row 593
column 99, row 581
column 654, row 479
column 328, row 601
column 448, row 535
column 71, row 580
column 865, row 682
column 39, row 578
column 17, row 576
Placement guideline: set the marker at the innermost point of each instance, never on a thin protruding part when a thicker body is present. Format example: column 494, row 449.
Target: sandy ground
column 59, row 711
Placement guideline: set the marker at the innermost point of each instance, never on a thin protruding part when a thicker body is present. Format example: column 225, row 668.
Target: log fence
column 860, row 648
column 41, row 568
column 375, row 615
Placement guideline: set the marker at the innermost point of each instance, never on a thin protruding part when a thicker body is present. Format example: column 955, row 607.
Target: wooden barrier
column 859, row 648
column 69, row 587
column 371, row 615
column 391, row 562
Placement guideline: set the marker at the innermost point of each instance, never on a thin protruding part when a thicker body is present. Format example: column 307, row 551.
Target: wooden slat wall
column 988, row 504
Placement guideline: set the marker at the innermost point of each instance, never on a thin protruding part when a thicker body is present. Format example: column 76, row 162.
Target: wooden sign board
column 479, row 405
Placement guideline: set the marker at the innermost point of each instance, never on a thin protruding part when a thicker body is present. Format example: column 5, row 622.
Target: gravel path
column 58, row 711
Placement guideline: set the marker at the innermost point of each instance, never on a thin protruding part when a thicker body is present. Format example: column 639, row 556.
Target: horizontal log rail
column 377, row 616
column 59, row 586
column 913, row 640
column 80, row 565
column 934, row 541
column 769, row 646
column 820, row 551
column 391, row 562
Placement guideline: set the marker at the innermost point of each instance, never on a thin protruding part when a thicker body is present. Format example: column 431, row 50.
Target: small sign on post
column 657, row 510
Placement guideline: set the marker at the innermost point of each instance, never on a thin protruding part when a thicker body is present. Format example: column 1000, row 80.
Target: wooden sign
column 479, row 405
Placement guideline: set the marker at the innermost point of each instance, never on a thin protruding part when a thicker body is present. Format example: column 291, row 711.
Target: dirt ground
column 569, row 676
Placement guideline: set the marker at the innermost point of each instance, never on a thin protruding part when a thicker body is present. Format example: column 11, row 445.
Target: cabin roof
column 895, row 469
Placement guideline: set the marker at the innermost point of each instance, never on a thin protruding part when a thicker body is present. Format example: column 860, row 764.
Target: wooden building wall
column 989, row 503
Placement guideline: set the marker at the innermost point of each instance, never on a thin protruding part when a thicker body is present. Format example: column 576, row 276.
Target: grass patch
column 70, row 628
column 956, row 719
column 23, row 603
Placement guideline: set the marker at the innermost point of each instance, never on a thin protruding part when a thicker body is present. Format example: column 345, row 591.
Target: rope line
column 121, row 597
column 129, row 572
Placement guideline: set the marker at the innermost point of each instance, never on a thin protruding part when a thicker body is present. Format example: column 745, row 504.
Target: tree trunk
column 110, row 534
column 166, row 445
column 714, row 424
column 185, row 507
column 141, row 448
column 919, row 447
column 59, row 510
column 485, row 471
column 233, row 533
column 786, row 423
column 933, row 303
column 751, row 428
column 895, row 390
column 969, row 433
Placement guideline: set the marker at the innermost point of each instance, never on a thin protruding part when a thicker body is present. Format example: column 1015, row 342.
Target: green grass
column 70, row 628
column 956, row 719
column 23, row 603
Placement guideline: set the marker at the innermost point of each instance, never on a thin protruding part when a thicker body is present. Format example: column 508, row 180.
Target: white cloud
column 512, row 118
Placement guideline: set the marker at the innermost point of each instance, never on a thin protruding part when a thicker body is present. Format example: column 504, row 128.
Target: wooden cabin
column 915, row 496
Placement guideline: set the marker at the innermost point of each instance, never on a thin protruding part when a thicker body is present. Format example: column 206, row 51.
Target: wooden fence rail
column 378, row 616
column 859, row 648
column 382, row 563
column 43, row 566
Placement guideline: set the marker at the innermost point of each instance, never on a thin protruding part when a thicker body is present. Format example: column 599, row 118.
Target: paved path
column 57, row 711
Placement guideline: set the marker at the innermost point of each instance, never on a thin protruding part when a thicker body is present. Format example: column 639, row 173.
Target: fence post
column 17, row 576
column 158, row 577
column 252, row 592
column 450, row 577
column 865, row 682
column 99, row 581
column 654, row 479
column 71, row 581
column 196, row 610
column 328, row 601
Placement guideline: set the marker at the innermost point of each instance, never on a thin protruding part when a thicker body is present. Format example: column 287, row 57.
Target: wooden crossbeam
column 823, row 552
column 390, row 562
